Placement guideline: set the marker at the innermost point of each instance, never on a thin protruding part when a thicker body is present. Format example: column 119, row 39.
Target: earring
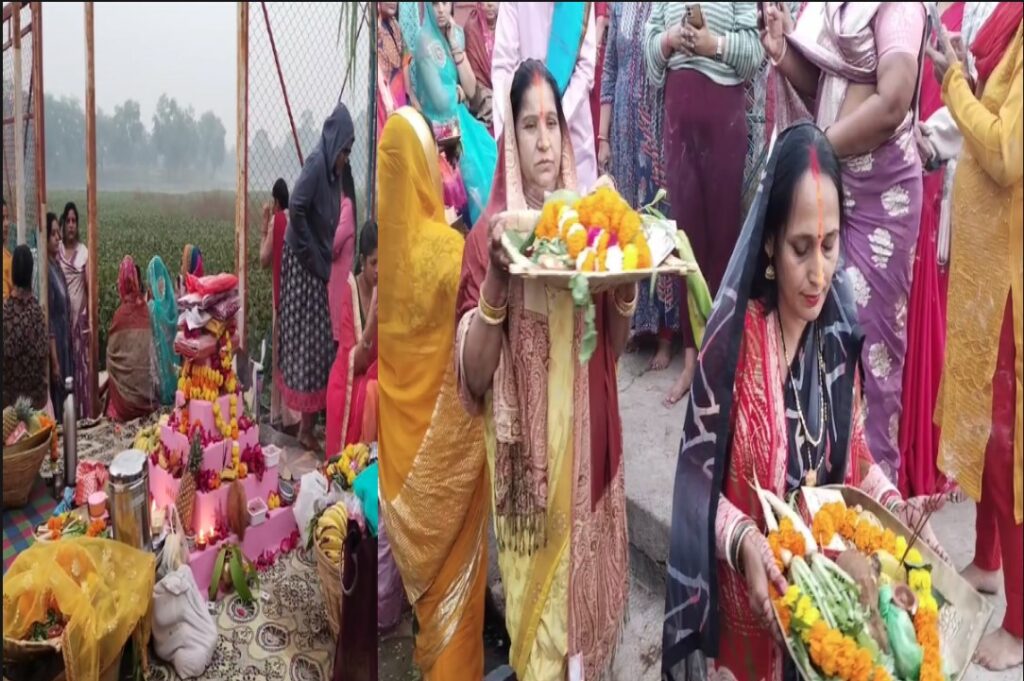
column 769, row 272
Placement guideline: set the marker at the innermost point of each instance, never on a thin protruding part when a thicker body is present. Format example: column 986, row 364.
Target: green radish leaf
column 238, row 577
column 218, row 570
column 581, row 297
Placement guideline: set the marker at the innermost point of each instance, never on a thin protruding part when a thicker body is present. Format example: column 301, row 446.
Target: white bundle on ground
column 184, row 632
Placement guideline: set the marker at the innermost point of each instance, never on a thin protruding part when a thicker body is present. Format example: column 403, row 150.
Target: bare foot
column 662, row 357
column 682, row 384
column 1000, row 650
column 985, row 581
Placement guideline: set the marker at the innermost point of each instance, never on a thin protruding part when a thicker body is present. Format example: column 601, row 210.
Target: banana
column 332, row 543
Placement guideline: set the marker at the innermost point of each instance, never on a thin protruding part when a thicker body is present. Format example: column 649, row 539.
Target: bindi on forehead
column 539, row 83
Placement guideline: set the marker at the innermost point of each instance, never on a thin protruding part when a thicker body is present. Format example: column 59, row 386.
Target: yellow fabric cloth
column 8, row 276
column 432, row 476
column 537, row 585
column 986, row 265
column 103, row 588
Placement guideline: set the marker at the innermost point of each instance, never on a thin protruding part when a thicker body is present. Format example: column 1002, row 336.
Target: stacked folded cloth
column 208, row 309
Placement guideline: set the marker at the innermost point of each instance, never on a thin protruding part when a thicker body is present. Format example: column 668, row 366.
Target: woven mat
column 20, row 523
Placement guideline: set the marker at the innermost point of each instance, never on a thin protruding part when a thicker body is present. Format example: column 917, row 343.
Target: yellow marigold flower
column 630, row 257
column 643, row 261
column 914, row 557
column 587, row 261
column 602, row 244
column 792, row 595
column 920, row 581
column 901, row 547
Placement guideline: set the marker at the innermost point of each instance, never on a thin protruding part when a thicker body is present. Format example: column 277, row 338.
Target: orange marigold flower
column 785, row 616
column 576, row 241
column 629, row 227
column 822, row 528
column 589, row 263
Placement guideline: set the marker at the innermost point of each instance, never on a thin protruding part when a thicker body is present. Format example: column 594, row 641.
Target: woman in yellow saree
column 553, row 430
column 433, row 483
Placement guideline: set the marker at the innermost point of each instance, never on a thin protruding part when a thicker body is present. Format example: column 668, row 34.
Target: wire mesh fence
column 23, row 198
column 303, row 58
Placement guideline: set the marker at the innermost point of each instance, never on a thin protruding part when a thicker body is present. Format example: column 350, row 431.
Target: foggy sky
column 188, row 50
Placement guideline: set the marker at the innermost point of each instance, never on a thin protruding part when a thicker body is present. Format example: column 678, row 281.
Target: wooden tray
column 523, row 222
column 963, row 619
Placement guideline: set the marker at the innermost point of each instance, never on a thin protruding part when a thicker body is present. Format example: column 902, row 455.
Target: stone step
column 638, row 657
column 651, row 434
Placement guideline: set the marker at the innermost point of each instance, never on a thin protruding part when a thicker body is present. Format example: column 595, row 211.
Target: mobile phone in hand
column 695, row 16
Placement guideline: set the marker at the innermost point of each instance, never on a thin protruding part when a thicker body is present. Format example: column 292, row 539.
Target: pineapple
column 10, row 422
column 187, row 492
column 26, row 413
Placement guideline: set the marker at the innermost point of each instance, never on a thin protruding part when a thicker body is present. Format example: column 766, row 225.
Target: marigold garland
column 836, row 518
column 926, row 626
column 831, row 651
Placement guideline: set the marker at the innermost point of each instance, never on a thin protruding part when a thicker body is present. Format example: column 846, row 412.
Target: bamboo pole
column 42, row 243
column 242, row 166
column 19, row 127
column 90, row 192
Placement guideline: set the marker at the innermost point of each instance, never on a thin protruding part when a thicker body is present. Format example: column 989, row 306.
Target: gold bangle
column 623, row 308
column 488, row 318
column 492, row 311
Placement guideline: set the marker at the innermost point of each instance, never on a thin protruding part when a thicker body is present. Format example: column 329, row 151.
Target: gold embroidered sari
column 434, row 487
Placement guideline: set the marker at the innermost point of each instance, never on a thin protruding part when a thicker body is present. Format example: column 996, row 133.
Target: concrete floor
column 651, row 434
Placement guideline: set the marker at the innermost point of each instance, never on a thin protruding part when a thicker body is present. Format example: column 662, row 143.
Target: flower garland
column 926, row 626
column 836, row 518
column 831, row 651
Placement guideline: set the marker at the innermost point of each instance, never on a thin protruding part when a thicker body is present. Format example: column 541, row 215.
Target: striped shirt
column 735, row 21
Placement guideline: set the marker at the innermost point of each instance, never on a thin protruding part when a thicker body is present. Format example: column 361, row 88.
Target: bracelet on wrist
column 492, row 316
column 785, row 47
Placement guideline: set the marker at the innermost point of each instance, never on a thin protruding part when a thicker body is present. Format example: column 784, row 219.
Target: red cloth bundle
column 90, row 476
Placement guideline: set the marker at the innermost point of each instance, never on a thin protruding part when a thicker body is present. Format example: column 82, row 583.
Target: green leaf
column 238, row 579
column 650, row 207
column 580, row 286
column 218, row 570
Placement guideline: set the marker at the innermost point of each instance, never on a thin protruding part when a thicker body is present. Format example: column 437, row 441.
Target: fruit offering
column 346, row 467
column 22, row 421
column 330, row 532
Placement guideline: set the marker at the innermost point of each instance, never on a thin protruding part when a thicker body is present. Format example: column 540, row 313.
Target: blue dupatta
column 568, row 22
column 163, row 317
column 434, row 79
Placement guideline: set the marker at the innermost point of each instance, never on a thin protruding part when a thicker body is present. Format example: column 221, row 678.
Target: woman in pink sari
column 390, row 68
column 352, row 387
column 74, row 260
column 855, row 69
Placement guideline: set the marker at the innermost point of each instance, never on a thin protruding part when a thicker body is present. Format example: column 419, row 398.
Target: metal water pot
column 128, row 491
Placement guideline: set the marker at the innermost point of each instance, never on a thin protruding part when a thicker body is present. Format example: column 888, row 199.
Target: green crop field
column 144, row 225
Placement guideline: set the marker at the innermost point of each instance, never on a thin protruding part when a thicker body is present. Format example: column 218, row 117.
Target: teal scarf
column 568, row 23
column 163, row 317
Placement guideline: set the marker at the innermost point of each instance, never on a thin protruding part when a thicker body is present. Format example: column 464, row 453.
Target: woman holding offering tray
column 553, row 431
column 776, row 401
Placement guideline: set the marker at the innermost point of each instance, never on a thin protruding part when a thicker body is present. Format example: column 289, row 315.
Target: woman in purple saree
column 855, row 69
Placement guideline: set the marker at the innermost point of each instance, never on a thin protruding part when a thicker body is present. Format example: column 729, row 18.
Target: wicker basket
column 960, row 626
column 330, row 588
column 21, row 466
column 49, row 654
